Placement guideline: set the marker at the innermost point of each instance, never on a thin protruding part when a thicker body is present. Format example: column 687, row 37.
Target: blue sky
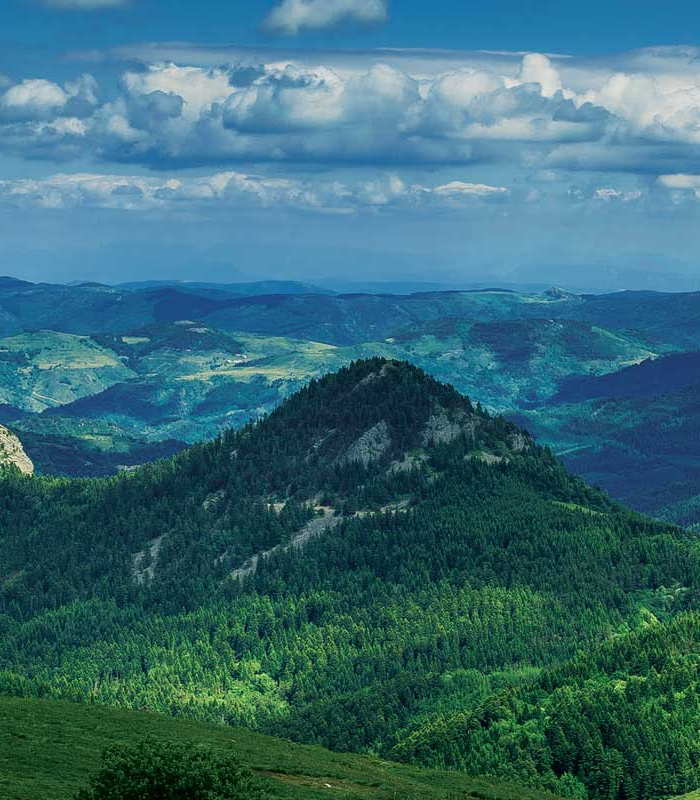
column 511, row 141
column 594, row 27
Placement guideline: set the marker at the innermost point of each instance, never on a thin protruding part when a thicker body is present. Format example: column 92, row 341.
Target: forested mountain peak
column 382, row 412
column 377, row 542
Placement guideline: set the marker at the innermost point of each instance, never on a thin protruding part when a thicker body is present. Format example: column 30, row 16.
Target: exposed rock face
column 374, row 376
column 443, row 429
column 370, row 447
column 144, row 564
column 12, row 452
column 312, row 529
column 409, row 462
column 319, row 443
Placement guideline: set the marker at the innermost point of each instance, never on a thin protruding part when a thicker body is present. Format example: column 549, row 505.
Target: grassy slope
column 47, row 750
column 47, row 369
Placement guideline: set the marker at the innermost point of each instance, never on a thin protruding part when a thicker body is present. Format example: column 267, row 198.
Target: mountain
column 63, row 743
column 518, row 363
column 377, row 566
column 96, row 378
column 46, row 369
column 654, row 376
column 671, row 319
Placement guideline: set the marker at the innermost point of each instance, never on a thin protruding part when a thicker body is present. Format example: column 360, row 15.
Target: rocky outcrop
column 144, row 563
column 519, row 442
column 370, row 447
column 408, row 463
column 12, row 452
column 443, row 428
column 213, row 501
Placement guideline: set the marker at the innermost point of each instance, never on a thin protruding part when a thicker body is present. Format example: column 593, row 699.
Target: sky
column 351, row 140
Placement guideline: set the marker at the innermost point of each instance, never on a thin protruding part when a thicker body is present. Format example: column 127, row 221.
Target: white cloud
column 537, row 68
column 291, row 17
column 680, row 187
column 638, row 114
column 33, row 99
column 232, row 189
column 679, row 181
column 606, row 194
column 38, row 99
column 461, row 189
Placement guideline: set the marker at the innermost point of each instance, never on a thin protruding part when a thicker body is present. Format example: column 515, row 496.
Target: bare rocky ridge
column 12, row 452
column 144, row 564
column 312, row 529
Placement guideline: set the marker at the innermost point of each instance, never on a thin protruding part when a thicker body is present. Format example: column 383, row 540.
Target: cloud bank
column 227, row 190
column 499, row 129
column 545, row 112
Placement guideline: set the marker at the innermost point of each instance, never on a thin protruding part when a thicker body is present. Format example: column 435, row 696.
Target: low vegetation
column 50, row 751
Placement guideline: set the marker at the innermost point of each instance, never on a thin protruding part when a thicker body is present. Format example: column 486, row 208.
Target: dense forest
column 434, row 588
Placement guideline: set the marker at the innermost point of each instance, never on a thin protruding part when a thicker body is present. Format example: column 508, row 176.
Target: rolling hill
column 184, row 382
column 672, row 319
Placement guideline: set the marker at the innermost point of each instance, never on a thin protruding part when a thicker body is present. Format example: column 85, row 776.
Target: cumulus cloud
column 542, row 113
column 291, row 17
column 169, row 115
column 679, row 188
column 232, row 189
column 38, row 99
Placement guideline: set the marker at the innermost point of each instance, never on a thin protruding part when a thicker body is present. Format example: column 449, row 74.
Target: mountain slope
column 374, row 555
column 49, row 749
column 617, row 716
column 633, row 432
column 47, row 369
column 665, row 375
column 517, row 363
column 186, row 382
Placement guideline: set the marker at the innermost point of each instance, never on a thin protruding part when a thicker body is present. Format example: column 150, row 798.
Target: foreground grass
column 48, row 749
